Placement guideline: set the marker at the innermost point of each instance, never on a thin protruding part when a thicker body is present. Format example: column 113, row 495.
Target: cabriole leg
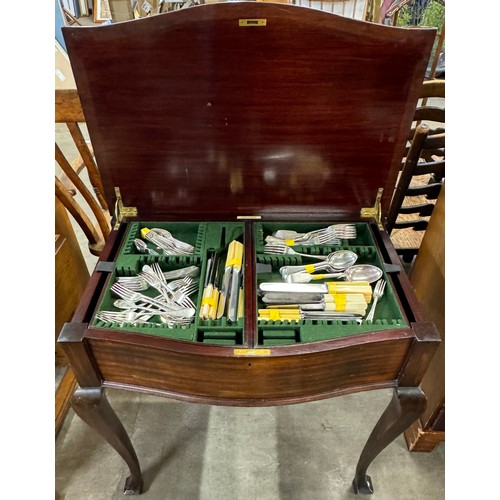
column 406, row 406
column 92, row 406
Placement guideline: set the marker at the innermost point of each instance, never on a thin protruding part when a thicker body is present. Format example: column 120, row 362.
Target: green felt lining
column 388, row 314
column 207, row 237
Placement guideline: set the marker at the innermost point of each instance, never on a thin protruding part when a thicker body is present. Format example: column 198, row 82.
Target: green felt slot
column 187, row 333
column 220, row 341
column 218, row 335
column 275, row 342
column 223, row 337
column 277, row 334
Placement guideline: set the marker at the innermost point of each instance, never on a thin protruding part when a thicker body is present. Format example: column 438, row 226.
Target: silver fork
column 154, row 281
column 336, row 231
column 124, row 293
column 179, row 283
column 308, row 239
column 331, row 235
column 181, row 296
column 378, row 291
column 155, row 267
column 127, row 316
column 283, row 249
column 137, row 283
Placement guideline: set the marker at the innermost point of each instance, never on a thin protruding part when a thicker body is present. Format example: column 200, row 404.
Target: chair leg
column 406, row 406
column 92, row 406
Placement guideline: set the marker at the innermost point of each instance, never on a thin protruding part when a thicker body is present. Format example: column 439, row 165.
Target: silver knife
column 232, row 310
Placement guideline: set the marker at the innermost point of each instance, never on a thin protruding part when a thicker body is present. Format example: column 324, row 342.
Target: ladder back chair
column 422, row 173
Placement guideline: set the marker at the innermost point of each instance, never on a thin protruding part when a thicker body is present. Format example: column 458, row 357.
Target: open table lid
column 237, row 109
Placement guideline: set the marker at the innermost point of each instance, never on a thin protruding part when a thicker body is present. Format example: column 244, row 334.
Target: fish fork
column 378, row 291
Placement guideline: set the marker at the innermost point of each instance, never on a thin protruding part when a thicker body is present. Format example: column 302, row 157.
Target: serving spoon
column 359, row 272
column 335, row 261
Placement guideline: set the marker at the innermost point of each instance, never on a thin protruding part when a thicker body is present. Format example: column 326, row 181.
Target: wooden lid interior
column 193, row 114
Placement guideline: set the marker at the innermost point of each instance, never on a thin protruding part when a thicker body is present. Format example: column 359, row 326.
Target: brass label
column 253, row 22
column 252, row 352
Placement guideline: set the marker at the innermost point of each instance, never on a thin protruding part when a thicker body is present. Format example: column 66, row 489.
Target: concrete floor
column 198, row 452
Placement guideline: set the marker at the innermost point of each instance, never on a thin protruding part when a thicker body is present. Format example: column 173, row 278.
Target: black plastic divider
column 388, row 313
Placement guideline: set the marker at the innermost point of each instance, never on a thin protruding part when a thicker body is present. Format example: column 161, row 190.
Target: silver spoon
column 335, row 261
column 360, row 272
column 143, row 248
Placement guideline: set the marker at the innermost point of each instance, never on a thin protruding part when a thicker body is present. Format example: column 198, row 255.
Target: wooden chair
column 69, row 183
column 88, row 208
column 421, row 176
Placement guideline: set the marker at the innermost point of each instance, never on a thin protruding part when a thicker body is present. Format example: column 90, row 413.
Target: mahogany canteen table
column 230, row 121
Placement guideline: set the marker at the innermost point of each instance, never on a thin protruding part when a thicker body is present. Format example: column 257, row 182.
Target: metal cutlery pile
column 224, row 297
column 331, row 235
column 326, row 301
column 297, row 298
column 173, row 305
column 321, row 301
column 165, row 243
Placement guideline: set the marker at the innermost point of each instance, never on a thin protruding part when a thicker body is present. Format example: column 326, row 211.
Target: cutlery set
column 296, row 298
column 304, row 291
column 224, row 296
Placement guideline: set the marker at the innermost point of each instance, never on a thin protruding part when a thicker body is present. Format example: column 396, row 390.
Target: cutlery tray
column 207, row 237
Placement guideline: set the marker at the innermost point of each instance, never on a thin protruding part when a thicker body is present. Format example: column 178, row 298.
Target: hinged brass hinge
column 121, row 211
column 375, row 212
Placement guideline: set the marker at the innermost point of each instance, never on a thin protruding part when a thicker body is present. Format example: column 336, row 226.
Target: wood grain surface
column 307, row 113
